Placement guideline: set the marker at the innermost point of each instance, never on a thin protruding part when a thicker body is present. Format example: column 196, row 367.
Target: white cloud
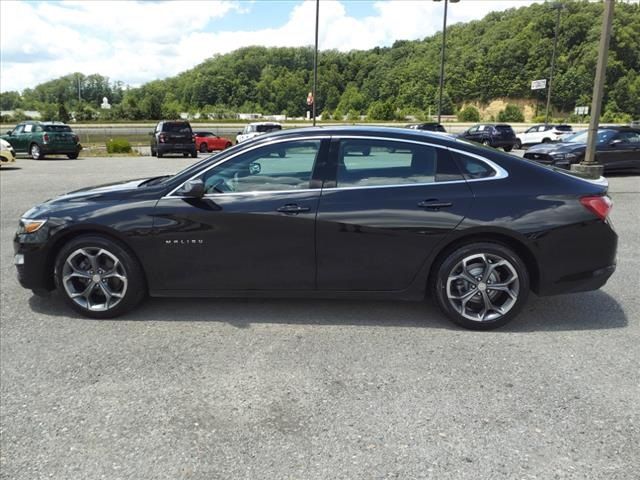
column 138, row 41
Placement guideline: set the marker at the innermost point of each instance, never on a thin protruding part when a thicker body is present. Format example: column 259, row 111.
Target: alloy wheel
column 35, row 151
column 94, row 278
column 483, row 287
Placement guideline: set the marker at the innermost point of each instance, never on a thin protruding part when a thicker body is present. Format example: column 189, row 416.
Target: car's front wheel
column 36, row 152
column 98, row 277
column 486, row 143
column 481, row 285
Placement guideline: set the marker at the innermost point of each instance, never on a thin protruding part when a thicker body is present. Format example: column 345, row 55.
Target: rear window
column 268, row 128
column 563, row 128
column 177, row 127
column 56, row 128
column 504, row 128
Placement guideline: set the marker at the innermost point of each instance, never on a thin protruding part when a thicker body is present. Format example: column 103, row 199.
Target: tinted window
column 629, row 137
column 17, row 130
column 57, row 128
column 268, row 128
column 177, row 127
column 365, row 163
column 504, row 128
column 284, row 166
column 473, row 168
column 563, row 128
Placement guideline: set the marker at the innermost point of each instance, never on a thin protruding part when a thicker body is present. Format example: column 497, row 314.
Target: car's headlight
column 28, row 225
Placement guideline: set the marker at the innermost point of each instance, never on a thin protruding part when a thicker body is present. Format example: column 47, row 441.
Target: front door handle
column 434, row 204
column 292, row 208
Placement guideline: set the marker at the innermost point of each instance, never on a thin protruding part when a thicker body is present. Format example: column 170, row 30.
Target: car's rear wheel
column 153, row 152
column 203, row 148
column 194, row 154
column 72, row 156
column 228, row 145
column 517, row 145
column 185, row 154
column 159, row 154
column 98, row 277
column 508, row 148
column 36, row 152
column 481, row 285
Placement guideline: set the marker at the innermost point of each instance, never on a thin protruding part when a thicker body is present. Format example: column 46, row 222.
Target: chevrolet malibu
column 306, row 213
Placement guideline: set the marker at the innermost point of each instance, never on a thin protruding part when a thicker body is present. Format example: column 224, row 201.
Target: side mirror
column 193, row 188
column 239, row 133
column 9, row 132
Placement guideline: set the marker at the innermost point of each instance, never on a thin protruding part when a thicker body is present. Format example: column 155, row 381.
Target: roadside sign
column 581, row 110
column 539, row 84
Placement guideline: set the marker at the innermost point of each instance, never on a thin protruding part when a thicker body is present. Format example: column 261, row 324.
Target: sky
column 139, row 41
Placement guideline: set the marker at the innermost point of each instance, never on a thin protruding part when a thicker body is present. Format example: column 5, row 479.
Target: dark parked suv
column 173, row 136
column 492, row 135
column 428, row 127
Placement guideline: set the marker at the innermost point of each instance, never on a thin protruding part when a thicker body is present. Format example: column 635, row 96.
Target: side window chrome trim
column 500, row 172
column 249, row 149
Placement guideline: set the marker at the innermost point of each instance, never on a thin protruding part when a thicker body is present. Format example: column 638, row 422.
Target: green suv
column 43, row 138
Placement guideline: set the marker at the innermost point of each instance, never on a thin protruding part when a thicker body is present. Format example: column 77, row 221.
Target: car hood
column 560, row 147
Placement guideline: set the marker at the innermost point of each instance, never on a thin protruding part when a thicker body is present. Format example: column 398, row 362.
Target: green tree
column 511, row 113
column 469, row 114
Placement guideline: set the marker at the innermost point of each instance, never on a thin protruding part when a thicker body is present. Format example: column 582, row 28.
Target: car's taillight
column 162, row 138
column 76, row 138
column 45, row 138
column 193, row 139
column 601, row 205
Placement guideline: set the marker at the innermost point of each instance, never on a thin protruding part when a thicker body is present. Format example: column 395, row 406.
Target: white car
column 7, row 153
column 255, row 129
column 541, row 134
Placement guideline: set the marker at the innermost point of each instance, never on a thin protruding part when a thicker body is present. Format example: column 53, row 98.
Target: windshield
column 581, row 137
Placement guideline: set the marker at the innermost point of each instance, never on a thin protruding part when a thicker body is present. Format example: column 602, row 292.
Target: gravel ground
column 307, row 389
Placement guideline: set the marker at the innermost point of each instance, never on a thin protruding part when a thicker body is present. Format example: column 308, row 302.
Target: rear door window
column 474, row 169
column 378, row 163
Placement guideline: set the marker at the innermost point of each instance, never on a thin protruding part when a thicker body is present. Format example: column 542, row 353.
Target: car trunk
column 504, row 132
column 177, row 133
column 60, row 136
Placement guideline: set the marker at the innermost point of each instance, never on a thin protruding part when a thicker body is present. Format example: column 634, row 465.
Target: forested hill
column 495, row 57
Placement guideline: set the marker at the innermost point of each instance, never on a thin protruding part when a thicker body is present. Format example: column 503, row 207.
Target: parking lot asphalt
column 309, row 389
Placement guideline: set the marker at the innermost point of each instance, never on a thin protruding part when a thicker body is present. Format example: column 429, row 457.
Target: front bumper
column 34, row 267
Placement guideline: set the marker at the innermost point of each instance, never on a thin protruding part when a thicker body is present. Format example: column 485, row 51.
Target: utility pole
column 557, row 7
column 589, row 166
column 442, row 56
column 315, row 66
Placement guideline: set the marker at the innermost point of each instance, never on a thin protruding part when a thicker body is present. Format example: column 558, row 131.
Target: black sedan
column 306, row 213
column 617, row 149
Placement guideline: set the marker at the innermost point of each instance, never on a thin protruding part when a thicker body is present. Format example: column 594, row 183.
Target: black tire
column 366, row 152
column 153, row 152
column 517, row 145
column 228, row 145
column 451, row 277
column 486, row 143
column 281, row 153
column 546, row 140
column 508, row 148
column 133, row 290
column 194, row 154
column 72, row 156
column 35, row 151
column 185, row 154
column 203, row 148
column 159, row 154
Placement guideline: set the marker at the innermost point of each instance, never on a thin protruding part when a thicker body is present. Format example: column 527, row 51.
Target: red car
column 208, row 142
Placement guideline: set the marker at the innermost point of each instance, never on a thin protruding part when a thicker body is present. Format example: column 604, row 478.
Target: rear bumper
column 176, row 148
column 52, row 149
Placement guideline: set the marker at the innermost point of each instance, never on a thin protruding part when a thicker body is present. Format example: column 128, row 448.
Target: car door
column 528, row 137
column 390, row 203
column 253, row 230
column 623, row 152
column 16, row 138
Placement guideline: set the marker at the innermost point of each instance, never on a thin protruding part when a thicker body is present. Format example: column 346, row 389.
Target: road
column 310, row 389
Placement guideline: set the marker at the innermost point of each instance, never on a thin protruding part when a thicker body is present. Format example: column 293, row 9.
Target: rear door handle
column 434, row 204
column 292, row 208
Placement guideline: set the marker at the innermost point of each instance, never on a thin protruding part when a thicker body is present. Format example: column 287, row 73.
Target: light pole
column 444, row 44
column 557, row 7
column 315, row 66
column 589, row 166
